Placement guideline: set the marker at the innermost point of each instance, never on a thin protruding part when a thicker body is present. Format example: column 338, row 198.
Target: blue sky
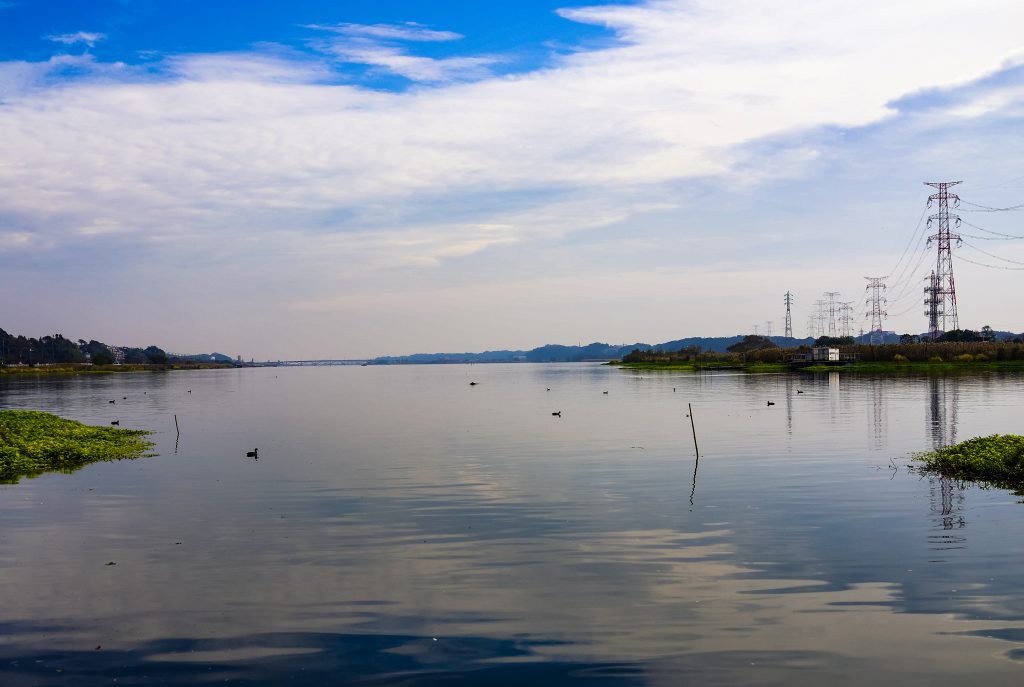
column 393, row 177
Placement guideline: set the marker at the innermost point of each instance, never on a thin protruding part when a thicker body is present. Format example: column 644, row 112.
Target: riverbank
column 858, row 367
column 76, row 369
column 699, row 367
column 33, row 442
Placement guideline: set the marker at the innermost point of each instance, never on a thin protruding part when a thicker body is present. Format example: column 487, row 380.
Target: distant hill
column 204, row 358
column 557, row 353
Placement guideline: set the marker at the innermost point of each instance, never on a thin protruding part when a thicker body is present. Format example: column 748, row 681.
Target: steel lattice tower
column 845, row 308
column 875, row 288
column 789, row 316
column 941, row 290
column 832, row 312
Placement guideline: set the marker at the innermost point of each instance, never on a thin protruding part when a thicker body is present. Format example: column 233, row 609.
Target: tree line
column 49, row 350
column 954, row 346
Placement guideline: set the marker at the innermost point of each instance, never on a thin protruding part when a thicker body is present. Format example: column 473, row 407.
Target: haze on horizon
column 342, row 180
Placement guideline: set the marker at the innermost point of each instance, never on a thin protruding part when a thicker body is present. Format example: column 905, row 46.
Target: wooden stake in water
column 693, row 491
column 178, row 431
column 692, row 427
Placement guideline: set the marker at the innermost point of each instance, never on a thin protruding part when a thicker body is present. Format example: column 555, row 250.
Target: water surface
column 402, row 526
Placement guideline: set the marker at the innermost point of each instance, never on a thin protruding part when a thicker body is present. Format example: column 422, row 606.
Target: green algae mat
column 33, row 442
column 996, row 459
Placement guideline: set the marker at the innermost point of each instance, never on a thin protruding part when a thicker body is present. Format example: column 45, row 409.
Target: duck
column 771, row 403
column 116, row 422
column 799, row 391
column 111, row 401
column 472, row 383
column 253, row 453
column 557, row 413
column 605, row 393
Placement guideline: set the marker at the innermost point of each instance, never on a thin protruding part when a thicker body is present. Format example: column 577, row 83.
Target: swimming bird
column 549, row 388
column 605, row 393
column 253, row 454
column 557, row 413
column 798, row 391
column 115, row 422
column 771, row 403
column 472, row 383
column 111, row 401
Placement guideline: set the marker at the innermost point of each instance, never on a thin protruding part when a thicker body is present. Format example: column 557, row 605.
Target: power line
column 989, row 231
column 986, row 208
column 995, row 267
column 991, row 255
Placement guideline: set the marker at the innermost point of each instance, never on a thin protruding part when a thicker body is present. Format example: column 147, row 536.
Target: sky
column 342, row 179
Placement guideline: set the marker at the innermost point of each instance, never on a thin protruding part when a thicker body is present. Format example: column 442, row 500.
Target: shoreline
column 866, row 367
column 80, row 369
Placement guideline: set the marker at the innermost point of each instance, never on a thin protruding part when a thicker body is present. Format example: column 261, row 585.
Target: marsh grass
column 997, row 460
column 33, row 442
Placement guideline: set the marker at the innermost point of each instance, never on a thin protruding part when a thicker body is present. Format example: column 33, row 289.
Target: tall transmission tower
column 820, row 316
column 875, row 289
column 933, row 303
column 812, row 326
column 845, row 318
column 831, row 312
column 789, row 316
column 941, row 291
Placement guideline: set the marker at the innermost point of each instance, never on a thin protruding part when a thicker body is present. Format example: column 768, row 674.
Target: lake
column 404, row 527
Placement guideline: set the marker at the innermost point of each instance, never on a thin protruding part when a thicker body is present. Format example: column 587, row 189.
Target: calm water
column 403, row 527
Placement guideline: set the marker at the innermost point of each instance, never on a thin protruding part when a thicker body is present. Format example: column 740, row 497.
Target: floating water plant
column 33, row 442
column 997, row 459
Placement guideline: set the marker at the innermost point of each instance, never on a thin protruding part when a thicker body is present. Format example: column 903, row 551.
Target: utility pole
column 789, row 317
column 875, row 289
column 941, row 291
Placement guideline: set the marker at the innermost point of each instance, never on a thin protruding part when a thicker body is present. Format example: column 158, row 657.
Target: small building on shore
column 822, row 355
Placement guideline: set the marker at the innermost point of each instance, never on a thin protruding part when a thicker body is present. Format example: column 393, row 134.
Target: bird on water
column 253, row 454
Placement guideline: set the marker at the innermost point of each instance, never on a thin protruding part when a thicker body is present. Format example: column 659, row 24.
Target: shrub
column 900, row 358
column 935, row 359
column 965, row 358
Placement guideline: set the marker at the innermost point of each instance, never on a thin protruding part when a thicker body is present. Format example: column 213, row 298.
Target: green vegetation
column 84, row 368
column 752, row 354
column 33, row 442
column 997, row 460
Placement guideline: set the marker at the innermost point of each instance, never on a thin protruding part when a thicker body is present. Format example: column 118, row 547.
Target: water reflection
column 946, row 496
column 405, row 528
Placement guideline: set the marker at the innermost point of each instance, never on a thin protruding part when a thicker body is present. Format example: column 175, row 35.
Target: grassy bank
column 698, row 366
column 997, row 460
column 921, row 368
column 33, row 442
column 76, row 369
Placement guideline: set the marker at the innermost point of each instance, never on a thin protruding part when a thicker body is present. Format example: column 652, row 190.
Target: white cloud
column 409, row 31
column 90, row 38
column 268, row 160
column 379, row 45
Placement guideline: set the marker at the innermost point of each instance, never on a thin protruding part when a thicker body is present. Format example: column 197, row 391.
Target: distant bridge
column 308, row 363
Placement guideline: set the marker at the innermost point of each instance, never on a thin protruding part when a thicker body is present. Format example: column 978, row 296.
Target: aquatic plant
column 996, row 459
column 33, row 442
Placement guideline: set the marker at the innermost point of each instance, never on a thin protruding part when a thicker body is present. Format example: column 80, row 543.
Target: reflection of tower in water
column 947, row 497
column 878, row 411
